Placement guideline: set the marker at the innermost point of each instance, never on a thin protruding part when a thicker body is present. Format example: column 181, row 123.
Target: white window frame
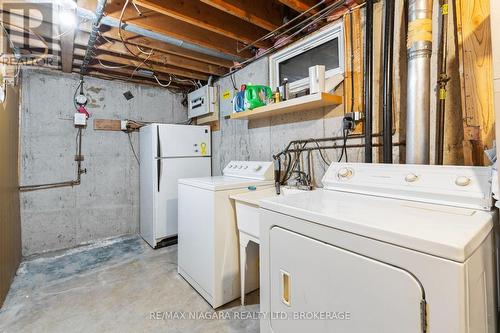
column 319, row 37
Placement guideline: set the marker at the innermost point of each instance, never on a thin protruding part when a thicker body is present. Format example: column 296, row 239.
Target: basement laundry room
column 272, row 166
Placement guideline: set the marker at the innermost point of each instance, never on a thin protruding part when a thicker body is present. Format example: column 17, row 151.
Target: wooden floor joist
column 264, row 14
column 169, row 26
column 206, row 17
column 134, row 39
column 300, row 6
column 159, row 57
column 157, row 68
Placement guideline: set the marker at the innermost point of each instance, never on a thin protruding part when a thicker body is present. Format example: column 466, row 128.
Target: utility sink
column 247, row 219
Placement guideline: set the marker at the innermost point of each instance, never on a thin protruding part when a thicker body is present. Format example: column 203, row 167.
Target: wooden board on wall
column 10, row 220
column 353, row 64
column 476, row 77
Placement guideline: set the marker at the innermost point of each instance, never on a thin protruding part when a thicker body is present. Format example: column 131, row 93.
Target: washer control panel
column 462, row 186
column 250, row 169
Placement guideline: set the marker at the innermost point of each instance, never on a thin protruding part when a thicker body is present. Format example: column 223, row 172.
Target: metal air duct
column 419, row 49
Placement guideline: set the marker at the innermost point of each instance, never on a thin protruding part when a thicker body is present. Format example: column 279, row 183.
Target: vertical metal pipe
column 99, row 13
column 441, row 82
column 368, row 80
column 387, row 79
column 419, row 49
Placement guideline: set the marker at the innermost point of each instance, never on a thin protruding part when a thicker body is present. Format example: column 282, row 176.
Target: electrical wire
column 271, row 34
column 284, row 41
column 151, row 51
column 120, row 23
column 45, row 53
column 142, row 63
column 193, row 82
column 161, row 84
column 312, row 17
column 111, row 67
column 320, row 150
column 233, row 81
column 352, row 60
column 132, row 147
column 8, row 36
column 344, row 145
column 105, row 38
column 80, row 84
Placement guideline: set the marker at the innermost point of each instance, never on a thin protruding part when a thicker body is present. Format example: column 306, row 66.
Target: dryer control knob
column 410, row 178
column 462, row 181
column 345, row 173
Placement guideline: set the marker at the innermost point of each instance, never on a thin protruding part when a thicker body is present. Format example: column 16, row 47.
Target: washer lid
column 219, row 183
column 447, row 232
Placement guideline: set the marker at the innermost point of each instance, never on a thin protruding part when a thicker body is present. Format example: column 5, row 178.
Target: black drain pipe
column 387, row 79
column 443, row 79
column 368, row 80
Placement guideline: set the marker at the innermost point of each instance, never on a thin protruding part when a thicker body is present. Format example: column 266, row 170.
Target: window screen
column 297, row 68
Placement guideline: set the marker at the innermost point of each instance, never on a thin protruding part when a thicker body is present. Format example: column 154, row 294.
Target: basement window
column 324, row 47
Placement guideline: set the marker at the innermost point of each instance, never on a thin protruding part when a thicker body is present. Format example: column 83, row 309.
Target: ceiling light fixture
column 67, row 19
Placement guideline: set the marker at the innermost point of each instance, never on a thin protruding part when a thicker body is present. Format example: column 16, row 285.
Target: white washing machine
column 208, row 251
column 382, row 248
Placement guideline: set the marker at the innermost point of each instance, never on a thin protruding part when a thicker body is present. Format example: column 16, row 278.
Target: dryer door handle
column 285, row 287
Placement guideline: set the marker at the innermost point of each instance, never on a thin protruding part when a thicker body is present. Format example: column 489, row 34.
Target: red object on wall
column 81, row 109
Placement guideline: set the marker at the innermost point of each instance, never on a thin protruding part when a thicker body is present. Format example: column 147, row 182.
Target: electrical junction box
column 80, row 119
column 203, row 101
column 226, row 100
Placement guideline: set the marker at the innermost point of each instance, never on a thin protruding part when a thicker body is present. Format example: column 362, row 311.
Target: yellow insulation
column 419, row 31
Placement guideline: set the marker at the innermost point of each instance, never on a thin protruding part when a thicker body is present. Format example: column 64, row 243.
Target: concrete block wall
column 260, row 139
column 106, row 204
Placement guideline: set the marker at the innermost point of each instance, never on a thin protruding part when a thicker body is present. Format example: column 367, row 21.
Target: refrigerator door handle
column 158, row 166
column 158, row 146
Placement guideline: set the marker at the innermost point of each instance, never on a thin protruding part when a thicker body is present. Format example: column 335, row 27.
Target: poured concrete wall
column 107, row 202
column 261, row 138
column 10, row 223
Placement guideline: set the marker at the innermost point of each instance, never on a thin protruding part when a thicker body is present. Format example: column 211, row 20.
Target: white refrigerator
column 167, row 153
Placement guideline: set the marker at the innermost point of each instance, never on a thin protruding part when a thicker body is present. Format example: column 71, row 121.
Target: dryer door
column 323, row 288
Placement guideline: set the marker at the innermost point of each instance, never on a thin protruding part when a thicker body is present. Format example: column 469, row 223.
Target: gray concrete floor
column 114, row 286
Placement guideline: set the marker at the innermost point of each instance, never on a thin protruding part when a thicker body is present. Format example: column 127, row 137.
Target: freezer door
column 323, row 288
column 183, row 140
column 171, row 170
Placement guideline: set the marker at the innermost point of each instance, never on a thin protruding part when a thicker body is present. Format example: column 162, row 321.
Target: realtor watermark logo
column 248, row 315
column 31, row 31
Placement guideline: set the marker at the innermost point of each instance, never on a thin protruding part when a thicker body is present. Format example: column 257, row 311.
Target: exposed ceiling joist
column 142, row 41
column 67, row 41
column 166, row 25
column 207, row 17
column 112, row 60
column 262, row 13
column 193, row 60
column 126, row 75
column 67, row 46
column 162, row 58
column 117, row 49
column 300, row 5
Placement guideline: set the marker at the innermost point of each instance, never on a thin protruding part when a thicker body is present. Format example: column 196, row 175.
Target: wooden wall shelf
column 304, row 103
